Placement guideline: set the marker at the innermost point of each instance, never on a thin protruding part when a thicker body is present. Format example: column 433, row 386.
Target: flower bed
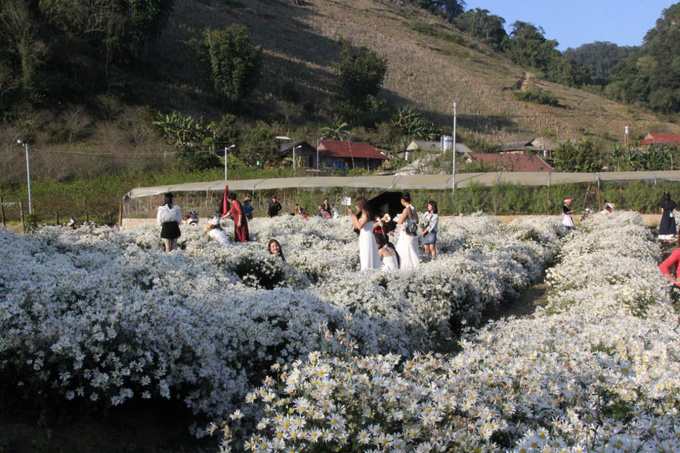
column 599, row 370
column 103, row 316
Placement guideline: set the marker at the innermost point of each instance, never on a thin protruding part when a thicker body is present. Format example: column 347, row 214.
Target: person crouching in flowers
column 275, row 249
column 216, row 232
column 368, row 249
column 567, row 212
column 388, row 255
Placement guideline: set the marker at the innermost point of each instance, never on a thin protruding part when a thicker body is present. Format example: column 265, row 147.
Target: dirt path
column 526, row 83
column 529, row 300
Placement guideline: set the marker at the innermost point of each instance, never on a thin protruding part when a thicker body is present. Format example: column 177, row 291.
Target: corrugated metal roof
column 332, row 148
column 514, row 162
column 661, row 139
column 431, row 182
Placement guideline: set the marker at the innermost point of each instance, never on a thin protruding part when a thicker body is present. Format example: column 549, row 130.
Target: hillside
column 429, row 72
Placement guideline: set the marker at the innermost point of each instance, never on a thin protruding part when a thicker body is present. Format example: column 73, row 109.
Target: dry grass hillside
column 300, row 42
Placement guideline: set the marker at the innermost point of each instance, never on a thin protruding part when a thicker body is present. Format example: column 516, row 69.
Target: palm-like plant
column 335, row 130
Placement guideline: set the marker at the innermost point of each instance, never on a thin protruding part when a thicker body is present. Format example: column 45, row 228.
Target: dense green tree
column 231, row 62
column 582, row 157
column 528, row 47
column 22, row 50
column 599, row 58
column 651, row 75
column 361, row 71
column 447, row 8
column 259, row 144
column 484, row 26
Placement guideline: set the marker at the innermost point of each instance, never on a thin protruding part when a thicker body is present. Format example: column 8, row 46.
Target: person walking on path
column 667, row 226
column 274, row 208
column 429, row 233
column 368, row 248
column 240, row 221
column 168, row 218
column 407, row 244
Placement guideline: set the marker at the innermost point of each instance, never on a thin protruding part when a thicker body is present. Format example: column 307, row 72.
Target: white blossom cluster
column 106, row 316
column 598, row 371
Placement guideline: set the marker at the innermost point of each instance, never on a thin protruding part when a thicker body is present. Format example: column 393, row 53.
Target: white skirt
column 407, row 248
column 567, row 221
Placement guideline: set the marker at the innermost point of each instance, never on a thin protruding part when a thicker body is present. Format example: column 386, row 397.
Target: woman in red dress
column 240, row 221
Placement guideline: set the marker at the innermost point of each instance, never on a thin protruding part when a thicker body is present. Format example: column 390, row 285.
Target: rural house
column 349, row 155
column 660, row 139
column 303, row 153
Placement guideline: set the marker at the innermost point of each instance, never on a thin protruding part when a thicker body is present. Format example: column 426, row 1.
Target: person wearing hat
column 567, row 220
column 247, row 208
column 215, row 231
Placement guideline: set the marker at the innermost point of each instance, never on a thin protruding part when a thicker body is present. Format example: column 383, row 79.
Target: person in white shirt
column 169, row 217
column 216, row 232
column 429, row 233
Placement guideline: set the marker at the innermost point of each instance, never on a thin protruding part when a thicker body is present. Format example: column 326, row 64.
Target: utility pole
column 453, row 152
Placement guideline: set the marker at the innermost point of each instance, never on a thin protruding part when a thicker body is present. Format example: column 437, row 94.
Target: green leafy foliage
column 231, row 62
column 480, row 23
column 411, row 124
column 582, row 157
column 650, row 76
column 528, row 47
column 361, row 72
column 537, row 96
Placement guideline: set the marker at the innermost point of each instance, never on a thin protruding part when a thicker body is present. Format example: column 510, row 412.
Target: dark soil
column 146, row 427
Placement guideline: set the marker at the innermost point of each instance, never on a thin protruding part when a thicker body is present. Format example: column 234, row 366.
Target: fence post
column 57, row 215
column 21, row 213
column 2, row 211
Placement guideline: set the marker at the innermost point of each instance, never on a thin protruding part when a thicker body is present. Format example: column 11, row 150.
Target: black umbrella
column 391, row 199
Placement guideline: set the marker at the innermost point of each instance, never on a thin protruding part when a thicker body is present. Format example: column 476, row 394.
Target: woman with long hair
column 667, row 226
column 429, row 233
column 368, row 249
column 240, row 221
column 168, row 218
column 275, row 248
column 388, row 255
column 407, row 244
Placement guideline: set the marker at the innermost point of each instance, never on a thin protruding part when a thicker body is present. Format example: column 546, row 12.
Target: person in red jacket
column 240, row 221
column 665, row 267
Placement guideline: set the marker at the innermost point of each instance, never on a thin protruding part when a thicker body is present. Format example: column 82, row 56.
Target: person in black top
column 667, row 226
column 274, row 207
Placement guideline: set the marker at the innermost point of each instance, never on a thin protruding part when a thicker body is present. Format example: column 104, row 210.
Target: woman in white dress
column 407, row 244
column 368, row 249
column 567, row 220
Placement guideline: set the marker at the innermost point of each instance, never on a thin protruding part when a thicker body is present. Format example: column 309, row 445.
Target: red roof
column 332, row 148
column 514, row 162
column 661, row 139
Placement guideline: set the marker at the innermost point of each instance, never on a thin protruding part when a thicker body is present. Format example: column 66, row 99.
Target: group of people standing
column 169, row 217
column 375, row 249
